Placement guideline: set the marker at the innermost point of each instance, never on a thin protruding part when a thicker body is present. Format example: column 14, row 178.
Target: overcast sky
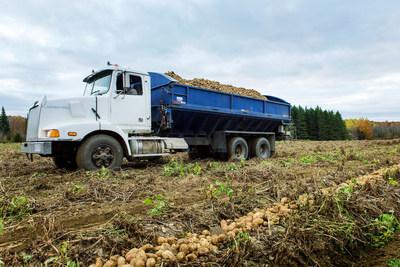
column 340, row 55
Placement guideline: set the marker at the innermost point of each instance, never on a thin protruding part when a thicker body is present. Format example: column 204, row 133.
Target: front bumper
column 36, row 148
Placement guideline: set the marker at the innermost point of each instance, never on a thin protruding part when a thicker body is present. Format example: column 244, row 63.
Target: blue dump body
column 194, row 111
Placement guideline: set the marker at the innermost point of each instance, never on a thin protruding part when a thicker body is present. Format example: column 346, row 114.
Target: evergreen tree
column 322, row 133
column 294, row 112
column 313, row 123
column 343, row 133
column 301, row 125
column 4, row 123
column 17, row 138
column 332, row 127
column 318, row 124
column 299, row 121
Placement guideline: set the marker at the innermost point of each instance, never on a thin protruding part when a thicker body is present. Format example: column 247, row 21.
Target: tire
column 98, row 151
column 237, row 148
column 261, row 148
column 65, row 163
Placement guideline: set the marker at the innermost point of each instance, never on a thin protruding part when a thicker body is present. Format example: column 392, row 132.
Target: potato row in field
column 192, row 246
column 213, row 85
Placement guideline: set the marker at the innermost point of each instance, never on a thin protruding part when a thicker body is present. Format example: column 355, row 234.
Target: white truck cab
column 111, row 120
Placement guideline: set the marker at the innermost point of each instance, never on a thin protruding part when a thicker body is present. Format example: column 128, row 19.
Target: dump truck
column 146, row 115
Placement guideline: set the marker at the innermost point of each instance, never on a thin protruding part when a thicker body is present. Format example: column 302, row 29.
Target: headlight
column 52, row 133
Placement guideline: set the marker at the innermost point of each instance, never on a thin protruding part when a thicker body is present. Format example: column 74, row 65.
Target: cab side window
column 136, row 87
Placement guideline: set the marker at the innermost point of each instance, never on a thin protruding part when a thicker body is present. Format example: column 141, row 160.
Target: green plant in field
column 310, row 158
column 241, row 163
column 161, row 204
column 241, row 240
column 175, row 168
column 348, row 190
column 385, row 226
column 233, row 166
column 338, row 204
column 25, row 258
column 392, row 175
column 1, row 226
column 102, row 173
column 42, row 174
column 172, row 167
column 267, row 163
column 110, row 230
column 214, row 165
column 219, row 188
column 195, row 169
column 307, row 159
column 394, row 263
column 77, row 188
column 18, row 205
column 178, row 168
column 1, row 263
column 65, row 259
column 287, row 163
column 105, row 174
column 394, row 151
column 360, row 156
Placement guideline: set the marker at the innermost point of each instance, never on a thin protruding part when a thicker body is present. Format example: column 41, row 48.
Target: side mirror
column 126, row 84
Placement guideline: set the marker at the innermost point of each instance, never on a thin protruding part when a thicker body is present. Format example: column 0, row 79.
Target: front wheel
column 99, row 151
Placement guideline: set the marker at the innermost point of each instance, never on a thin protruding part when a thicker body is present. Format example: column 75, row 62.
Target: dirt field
column 313, row 203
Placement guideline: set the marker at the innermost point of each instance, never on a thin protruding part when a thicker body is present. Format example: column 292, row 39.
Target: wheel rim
column 239, row 151
column 263, row 150
column 102, row 156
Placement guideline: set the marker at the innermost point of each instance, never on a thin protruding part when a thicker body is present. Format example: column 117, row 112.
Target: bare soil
column 340, row 189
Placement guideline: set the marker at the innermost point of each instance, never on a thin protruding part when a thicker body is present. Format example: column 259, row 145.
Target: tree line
column 318, row 124
column 12, row 128
column 365, row 129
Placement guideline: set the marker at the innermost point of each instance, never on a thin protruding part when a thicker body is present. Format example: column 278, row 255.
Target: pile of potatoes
column 259, row 217
column 361, row 180
column 194, row 245
column 213, row 85
column 168, row 250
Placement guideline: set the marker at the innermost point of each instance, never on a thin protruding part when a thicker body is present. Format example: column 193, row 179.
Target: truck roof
column 113, row 67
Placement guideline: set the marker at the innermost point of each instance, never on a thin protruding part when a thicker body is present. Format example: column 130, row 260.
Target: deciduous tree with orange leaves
column 360, row 128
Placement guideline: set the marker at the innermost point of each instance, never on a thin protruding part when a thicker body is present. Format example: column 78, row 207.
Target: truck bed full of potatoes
column 217, row 86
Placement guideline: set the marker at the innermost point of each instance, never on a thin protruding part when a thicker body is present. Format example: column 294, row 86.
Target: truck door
column 130, row 104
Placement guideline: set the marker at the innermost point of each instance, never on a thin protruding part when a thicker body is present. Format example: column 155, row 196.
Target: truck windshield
column 99, row 83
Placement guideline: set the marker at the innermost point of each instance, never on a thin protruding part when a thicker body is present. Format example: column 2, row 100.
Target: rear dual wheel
column 261, row 148
column 237, row 148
